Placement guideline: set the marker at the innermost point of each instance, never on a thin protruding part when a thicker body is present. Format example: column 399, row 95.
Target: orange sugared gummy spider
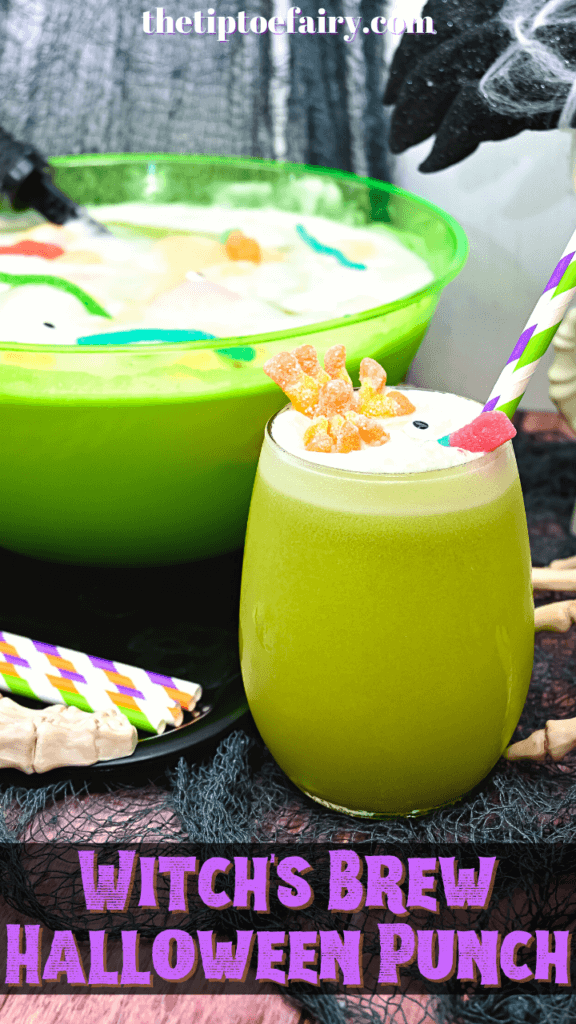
column 336, row 396
column 319, row 425
column 373, row 399
column 372, row 374
column 322, row 442
column 302, row 390
column 348, row 439
column 372, row 383
column 342, row 421
column 335, row 363
column 239, row 247
column 398, row 404
column 335, row 424
column 308, row 359
column 371, row 432
column 317, row 438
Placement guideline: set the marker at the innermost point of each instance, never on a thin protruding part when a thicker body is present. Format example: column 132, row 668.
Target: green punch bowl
column 146, row 455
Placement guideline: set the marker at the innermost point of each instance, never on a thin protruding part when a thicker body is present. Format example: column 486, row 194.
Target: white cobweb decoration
column 532, row 76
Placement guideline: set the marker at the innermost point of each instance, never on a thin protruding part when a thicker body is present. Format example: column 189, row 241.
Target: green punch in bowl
column 145, row 455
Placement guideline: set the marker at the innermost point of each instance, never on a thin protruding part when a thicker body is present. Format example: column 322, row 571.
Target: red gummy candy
column 28, row 247
column 488, row 431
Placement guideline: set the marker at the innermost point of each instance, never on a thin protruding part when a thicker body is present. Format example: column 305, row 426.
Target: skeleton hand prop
column 558, row 737
column 45, row 738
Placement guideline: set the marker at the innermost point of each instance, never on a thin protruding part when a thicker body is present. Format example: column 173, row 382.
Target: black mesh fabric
column 82, row 78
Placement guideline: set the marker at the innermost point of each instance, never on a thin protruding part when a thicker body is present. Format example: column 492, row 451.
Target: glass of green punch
column 387, row 621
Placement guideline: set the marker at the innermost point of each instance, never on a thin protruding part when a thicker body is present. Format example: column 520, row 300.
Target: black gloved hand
column 434, row 82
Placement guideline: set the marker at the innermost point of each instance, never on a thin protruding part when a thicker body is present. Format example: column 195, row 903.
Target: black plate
column 177, row 620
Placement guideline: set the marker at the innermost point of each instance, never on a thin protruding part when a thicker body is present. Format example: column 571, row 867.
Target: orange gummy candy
column 284, row 369
column 376, row 403
column 398, row 404
column 348, row 439
column 334, row 425
column 371, row 432
column 321, row 442
column 308, row 359
column 372, row 374
column 335, row 363
column 371, row 403
column 371, row 394
column 302, row 390
column 319, row 425
column 239, row 247
column 336, row 396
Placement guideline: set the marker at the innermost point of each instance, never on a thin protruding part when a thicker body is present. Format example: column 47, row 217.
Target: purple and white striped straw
column 535, row 339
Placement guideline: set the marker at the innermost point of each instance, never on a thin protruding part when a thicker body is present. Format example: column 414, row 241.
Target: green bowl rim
column 109, row 159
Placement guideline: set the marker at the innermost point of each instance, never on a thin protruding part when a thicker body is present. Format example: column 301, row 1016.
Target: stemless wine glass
column 386, row 627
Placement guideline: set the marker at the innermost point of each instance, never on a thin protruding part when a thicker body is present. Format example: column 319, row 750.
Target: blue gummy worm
column 327, row 250
column 445, row 441
column 144, row 334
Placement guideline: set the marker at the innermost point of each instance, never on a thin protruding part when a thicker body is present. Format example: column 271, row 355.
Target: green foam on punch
column 87, row 301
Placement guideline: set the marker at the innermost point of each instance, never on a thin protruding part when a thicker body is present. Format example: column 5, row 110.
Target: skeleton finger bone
column 554, row 579
column 558, row 737
column 557, row 616
column 556, row 740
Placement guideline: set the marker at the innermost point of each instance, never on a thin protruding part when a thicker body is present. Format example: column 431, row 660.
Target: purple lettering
column 346, row 889
column 384, row 890
column 300, row 894
column 244, row 885
column 439, row 946
column 111, row 888
column 479, row 951
column 301, row 955
column 420, row 882
column 64, row 958
column 29, row 959
column 344, row 952
column 464, row 888
column 558, row 958
column 397, row 946
column 178, row 868
column 268, row 955
column 222, row 960
column 186, row 960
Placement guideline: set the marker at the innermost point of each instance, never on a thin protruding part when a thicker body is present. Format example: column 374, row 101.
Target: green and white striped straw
column 537, row 335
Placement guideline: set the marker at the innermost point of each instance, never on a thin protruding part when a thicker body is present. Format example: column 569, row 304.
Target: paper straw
column 57, row 675
column 537, row 335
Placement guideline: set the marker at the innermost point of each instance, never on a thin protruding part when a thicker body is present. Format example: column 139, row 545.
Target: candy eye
column 418, row 430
